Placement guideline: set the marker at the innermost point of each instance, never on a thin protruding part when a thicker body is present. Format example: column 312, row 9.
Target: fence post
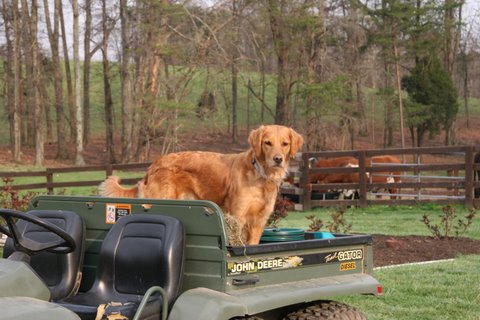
column 108, row 170
column 469, row 177
column 306, row 196
column 362, row 179
column 49, row 175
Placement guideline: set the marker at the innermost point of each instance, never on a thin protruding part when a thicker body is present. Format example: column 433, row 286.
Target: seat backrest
column 60, row 272
column 141, row 251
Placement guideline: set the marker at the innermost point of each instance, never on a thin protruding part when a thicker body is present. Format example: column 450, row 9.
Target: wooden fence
column 415, row 185
column 49, row 174
column 420, row 181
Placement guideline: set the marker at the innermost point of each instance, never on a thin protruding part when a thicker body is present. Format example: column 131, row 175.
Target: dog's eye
column 284, row 144
column 268, row 143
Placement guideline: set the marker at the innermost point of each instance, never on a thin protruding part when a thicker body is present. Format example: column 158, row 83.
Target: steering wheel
column 63, row 244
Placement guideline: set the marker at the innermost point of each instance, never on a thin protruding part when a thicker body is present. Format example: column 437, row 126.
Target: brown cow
column 387, row 176
column 350, row 177
column 334, row 177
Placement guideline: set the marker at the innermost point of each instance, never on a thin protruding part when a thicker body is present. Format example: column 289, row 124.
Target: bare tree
column 8, row 67
column 126, row 83
column 107, row 25
column 234, row 66
column 17, row 83
column 277, row 15
column 33, row 77
column 68, row 73
column 53, row 36
column 453, row 27
column 26, row 114
column 79, row 160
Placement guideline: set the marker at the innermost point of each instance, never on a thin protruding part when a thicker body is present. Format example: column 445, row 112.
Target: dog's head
column 274, row 145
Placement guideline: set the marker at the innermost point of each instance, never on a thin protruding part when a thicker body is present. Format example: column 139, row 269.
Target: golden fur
column 244, row 185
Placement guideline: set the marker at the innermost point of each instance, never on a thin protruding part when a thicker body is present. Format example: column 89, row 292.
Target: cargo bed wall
column 272, row 263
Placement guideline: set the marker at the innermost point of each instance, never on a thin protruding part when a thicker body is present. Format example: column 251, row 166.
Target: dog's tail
column 111, row 188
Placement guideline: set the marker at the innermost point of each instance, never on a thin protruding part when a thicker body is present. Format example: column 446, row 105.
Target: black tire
column 326, row 310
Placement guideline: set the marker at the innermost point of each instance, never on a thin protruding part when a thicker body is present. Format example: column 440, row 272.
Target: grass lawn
column 69, row 177
column 395, row 220
column 440, row 291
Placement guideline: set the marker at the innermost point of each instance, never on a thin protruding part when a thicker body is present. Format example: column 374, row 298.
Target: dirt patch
column 388, row 250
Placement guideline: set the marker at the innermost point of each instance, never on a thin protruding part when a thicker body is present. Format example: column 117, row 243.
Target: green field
column 439, row 291
column 69, row 177
column 394, row 220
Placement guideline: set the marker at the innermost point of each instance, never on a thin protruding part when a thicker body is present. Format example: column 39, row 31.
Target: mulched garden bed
column 390, row 250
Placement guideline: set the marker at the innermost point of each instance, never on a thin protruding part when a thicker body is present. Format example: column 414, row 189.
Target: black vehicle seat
column 60, row 272
column 139, row 251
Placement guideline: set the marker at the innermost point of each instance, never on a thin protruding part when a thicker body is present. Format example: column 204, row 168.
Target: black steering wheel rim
column 65, row 244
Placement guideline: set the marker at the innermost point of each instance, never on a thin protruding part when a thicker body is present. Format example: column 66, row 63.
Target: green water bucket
column 282, row 235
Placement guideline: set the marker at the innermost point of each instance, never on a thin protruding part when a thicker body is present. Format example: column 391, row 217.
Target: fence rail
column 49, row 173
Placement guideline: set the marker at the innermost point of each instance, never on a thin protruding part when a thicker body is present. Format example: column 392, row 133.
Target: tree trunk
column 58, row 79
column 399, row 89
column 17, row 83
column 79, row 160
column 126, row 85
column 68, row 75
column 46, row 110
column 452, row 40
column 234, row 101
column 7, row 66
column 107, row 89
column 27, row 114
column 86, row 70
column 36, row 83
column 234, row 68
column 276, row 11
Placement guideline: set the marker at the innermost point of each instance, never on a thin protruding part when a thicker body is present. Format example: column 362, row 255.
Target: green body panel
column 221, row 281
column 18, row 279
column 25, row 308
column 206, row 304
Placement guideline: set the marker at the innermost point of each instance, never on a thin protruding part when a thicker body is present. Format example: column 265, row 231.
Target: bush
column 280, row 211
column 338, row 224
column 448, row 228
column 12, row 199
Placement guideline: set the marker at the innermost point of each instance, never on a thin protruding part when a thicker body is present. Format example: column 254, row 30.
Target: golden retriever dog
column 244, row 185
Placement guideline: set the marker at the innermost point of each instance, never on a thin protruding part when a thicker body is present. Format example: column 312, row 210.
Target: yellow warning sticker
column 115, row 211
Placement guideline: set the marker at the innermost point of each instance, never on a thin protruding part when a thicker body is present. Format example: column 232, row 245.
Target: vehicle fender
column 26, row 308
column 206, row 304
column 18, row 279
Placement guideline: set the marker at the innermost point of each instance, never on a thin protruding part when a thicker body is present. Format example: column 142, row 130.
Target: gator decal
column 345, row 258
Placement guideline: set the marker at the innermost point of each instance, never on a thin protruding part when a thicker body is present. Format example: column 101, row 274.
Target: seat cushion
column 139, row 251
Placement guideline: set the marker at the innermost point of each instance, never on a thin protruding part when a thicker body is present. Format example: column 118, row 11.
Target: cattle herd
column 377, row 176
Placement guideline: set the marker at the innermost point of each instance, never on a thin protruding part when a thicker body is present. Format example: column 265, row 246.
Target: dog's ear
column 255, row 140
column 296, row 142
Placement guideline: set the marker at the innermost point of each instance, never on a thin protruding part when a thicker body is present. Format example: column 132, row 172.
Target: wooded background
column 154, row 68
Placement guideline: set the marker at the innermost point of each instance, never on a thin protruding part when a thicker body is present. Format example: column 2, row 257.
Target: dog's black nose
column 278, row 159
